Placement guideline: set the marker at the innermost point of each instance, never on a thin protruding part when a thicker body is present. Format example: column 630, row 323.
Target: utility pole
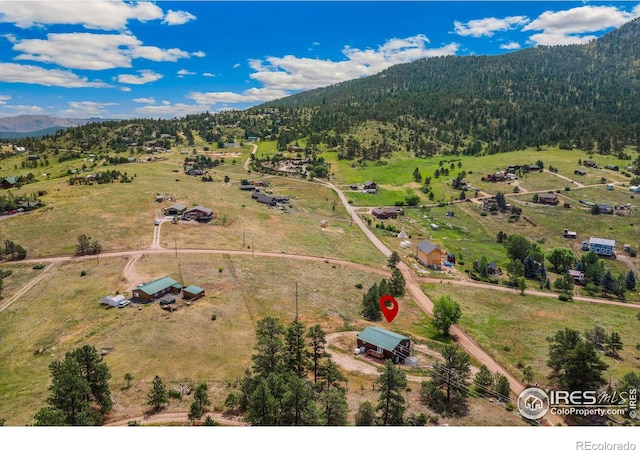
column 252, row 252
column 244, row 239
column 176, row 246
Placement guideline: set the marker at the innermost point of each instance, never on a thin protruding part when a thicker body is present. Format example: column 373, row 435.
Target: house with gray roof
column 176, row 209
column 430, row 255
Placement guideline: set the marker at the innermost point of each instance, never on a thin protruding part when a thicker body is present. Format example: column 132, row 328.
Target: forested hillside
column 573, row 96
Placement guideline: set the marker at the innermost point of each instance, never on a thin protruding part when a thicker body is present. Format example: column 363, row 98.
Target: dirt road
column 253, row 152
column 15, row 297
column 175, row 417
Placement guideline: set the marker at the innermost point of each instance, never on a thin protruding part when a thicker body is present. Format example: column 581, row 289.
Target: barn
column 155, row 289
column 384, row 344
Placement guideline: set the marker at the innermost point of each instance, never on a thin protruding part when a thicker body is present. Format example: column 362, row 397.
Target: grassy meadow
column 63, row 312
column 513, row 328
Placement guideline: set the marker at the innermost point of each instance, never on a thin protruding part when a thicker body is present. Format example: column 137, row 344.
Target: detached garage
column 385, row 344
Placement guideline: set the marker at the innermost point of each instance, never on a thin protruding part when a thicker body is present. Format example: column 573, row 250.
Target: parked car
column 124, row 303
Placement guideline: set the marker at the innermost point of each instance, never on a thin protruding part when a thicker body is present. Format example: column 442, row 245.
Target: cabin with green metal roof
column 9, row 182
column 155, row 289
column 384, row 344
column 192, row 292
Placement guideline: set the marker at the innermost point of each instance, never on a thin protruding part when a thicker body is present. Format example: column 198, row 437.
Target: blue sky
column 121, row 59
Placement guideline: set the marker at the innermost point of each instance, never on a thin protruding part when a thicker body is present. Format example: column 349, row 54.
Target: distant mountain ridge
column 28, row 124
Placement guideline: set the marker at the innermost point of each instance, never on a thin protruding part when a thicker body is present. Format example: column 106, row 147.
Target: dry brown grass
column 63, row 312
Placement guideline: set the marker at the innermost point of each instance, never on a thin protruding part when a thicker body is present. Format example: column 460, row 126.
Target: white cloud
column 91, row 51
column 510, row 46
column 4, row 98
column 147, row 100
column 168, row 109
column 235, row 66
column 125, row 89
column 208, row 74
column 199, row 54
column 18, row 73
column 183, row 72
column 97, row 15
column 281, row 76
column 573, row 26
column 24, row 109
column 158, row 54
column 488, row 26
column 249, row 95
column 178, row 17
column 87, row 109
column 146, row 76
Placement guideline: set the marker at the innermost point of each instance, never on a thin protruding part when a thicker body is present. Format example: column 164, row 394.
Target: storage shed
column 192, row 292
column 113, row 301
column 385, row 344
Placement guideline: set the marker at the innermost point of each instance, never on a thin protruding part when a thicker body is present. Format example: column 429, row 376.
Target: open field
column 63, row 312
column 120, row 216
column 514, row 328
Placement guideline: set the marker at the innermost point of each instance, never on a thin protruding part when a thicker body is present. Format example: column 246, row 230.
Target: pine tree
column 608, row 282
column 483, row 380
column 201, row 396
column 296, row 355
column 365, row 415
column 630, row 281
column 318, row 342
column 614, row 344
column 529, row 267
column 158, row 396
column 503, row 388
column 371, row 304
column 397, row 283
column 391, row 403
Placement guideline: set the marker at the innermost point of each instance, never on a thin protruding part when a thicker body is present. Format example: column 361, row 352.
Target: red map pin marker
column 389, row 307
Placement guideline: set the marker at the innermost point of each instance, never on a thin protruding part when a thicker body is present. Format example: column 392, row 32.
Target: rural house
column 605, row 209
column 577, row 275
column 369, row 186
column 9, row 182
column 388, row 212
column 192, row 292
column 602, row 247
column 247, row 187
column 547, row 199
column 175, row 209
column 199, row 213
column 384, row 344
column 430, row 255
column 266, row 199
column 153, row 290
